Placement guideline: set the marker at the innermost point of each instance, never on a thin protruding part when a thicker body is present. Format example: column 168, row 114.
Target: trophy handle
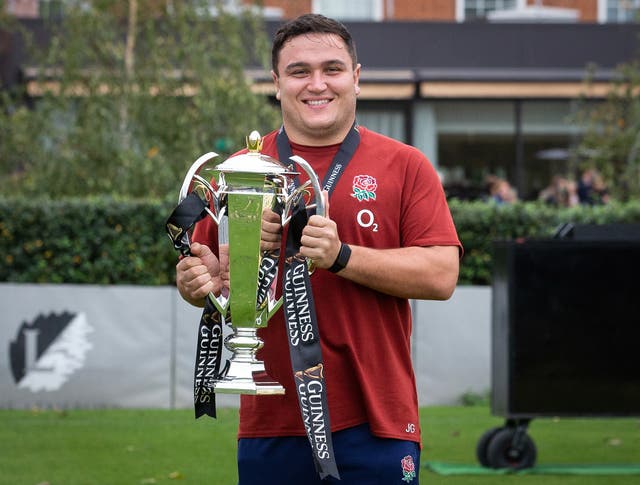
column 315, row 183
column 317, row 190
column 193, row 173
column 221, row 302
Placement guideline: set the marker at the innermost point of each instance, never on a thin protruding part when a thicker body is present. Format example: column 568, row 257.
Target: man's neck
column 326, row 139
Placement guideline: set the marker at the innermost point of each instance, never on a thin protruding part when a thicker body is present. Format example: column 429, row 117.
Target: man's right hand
column 271, row 231
column 198, row 275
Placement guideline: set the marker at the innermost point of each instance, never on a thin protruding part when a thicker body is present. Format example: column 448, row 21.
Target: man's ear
column 276, row 83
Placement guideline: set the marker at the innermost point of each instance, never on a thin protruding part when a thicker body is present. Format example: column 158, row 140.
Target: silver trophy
column 237, row 193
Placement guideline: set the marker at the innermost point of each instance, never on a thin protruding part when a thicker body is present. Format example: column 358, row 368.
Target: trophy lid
column 253, row 161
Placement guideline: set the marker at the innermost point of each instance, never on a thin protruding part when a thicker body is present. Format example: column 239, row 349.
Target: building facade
column 482, row 87
column 601, row 11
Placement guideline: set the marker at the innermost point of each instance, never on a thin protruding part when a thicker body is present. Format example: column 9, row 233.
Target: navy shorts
column 362, row 459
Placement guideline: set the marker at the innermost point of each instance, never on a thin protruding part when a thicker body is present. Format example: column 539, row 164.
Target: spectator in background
column 501, row 191
column 569, row 194
column 592, row 189
column 562, row 192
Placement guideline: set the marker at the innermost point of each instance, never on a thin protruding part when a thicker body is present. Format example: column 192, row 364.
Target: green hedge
column 481, row 223
column 107, row 241
column 98, row 241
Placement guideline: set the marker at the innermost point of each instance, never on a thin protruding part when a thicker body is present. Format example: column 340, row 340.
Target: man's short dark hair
column 311, row 24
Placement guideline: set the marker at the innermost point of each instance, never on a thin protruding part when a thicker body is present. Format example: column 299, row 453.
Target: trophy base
column 242, row 386
column 248, row 378
column 246, row 374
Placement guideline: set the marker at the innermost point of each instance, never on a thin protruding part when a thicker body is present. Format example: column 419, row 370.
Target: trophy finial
column 254, row 142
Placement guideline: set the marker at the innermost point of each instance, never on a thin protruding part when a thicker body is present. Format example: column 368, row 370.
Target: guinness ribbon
column 300, row 317
column 209, row 351
column 190, row 210
column 304, row 350
column 208, row 358
column 267, row 274
column 268, row 270
column 339, row 163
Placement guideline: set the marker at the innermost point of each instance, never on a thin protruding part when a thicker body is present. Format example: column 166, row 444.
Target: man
column 387, row 237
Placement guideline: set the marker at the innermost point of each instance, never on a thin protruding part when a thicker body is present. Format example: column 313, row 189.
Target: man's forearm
column 425, row 273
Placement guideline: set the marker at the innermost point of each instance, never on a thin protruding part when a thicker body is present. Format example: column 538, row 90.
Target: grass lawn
column 137, row 447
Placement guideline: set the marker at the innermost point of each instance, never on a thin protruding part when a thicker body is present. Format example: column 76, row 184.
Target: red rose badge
column 408, row 469
column 364, row 187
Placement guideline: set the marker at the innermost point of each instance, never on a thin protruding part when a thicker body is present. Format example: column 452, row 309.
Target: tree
column 132, row 93
column 611, row 141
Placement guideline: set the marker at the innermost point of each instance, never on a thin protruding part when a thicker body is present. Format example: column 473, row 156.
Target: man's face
column 317, row 85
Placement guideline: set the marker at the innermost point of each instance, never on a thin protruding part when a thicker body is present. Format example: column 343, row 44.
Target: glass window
column 351, row 10
column 475, row 140
column 387, row 122
column 49, row 9
column 623, row 10
column 478, row 9
column 479, row 140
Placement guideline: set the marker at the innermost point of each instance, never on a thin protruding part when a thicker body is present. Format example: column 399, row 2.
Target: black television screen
column 566, row 328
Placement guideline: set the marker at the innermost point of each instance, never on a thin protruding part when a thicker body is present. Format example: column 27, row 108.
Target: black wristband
column 343, row 258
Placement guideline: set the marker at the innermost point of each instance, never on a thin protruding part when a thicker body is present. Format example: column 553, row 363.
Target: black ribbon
column 339, row 163
column 266, row 276
column 189, row 211
column 209, row 351
column 208, row 359
column 300, row 316
column 304, row 349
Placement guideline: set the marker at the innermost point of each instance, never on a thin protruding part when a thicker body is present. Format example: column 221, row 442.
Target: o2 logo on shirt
column 367, row 220
column 364, row 189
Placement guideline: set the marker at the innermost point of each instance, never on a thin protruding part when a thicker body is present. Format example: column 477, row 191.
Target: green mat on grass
column 585, row 469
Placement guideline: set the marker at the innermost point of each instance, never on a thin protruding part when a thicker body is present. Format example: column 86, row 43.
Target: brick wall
column 290, row 8
column 588, row 8
column 420, row 10
column 424, row 10
column 22, row 8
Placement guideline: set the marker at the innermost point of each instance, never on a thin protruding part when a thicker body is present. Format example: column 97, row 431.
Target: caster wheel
column 483, row 446
column 503, row 453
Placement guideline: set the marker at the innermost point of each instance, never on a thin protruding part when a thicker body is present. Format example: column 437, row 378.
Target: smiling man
column 387, row 236
column 316, row 77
